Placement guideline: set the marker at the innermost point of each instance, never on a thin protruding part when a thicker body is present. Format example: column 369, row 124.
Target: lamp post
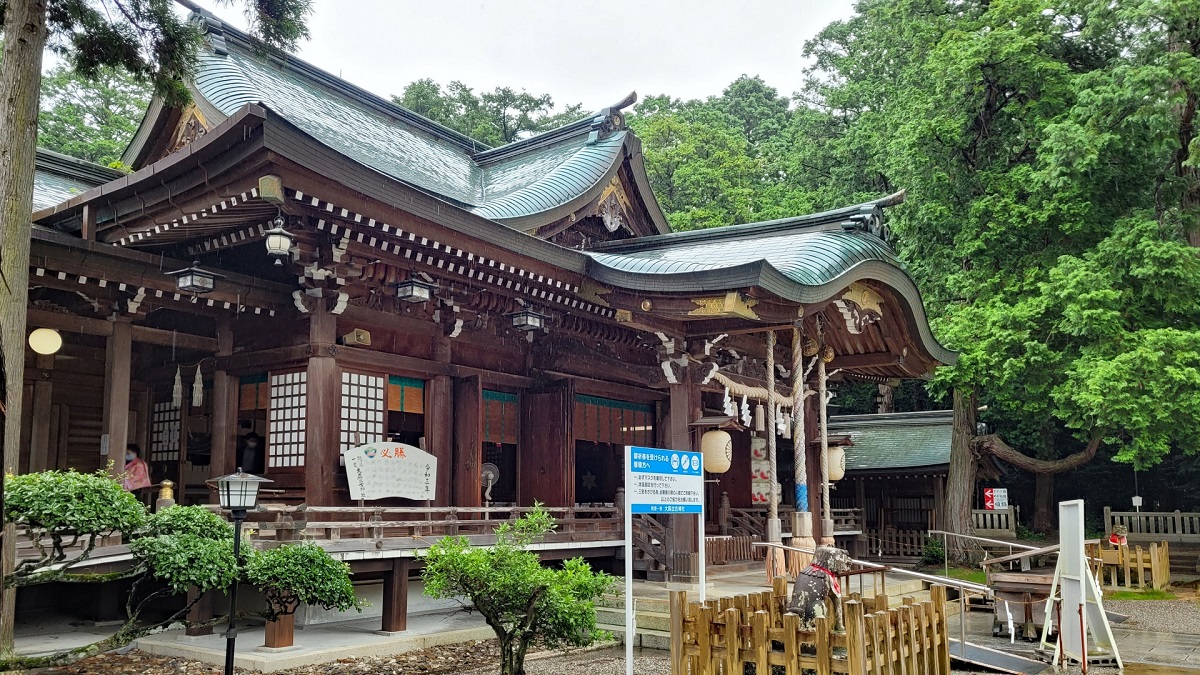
column 238, row 493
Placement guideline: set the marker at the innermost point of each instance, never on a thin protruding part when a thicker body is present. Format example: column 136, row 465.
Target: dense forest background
column 1050, row 157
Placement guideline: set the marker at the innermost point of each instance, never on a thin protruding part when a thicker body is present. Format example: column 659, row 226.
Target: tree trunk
column 1043, row 503
column 960, row 481
column 20, row 82
column 887, row 399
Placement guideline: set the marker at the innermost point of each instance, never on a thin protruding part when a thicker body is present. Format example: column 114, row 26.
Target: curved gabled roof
column 806, row 260
column 524, row 184
column 58, row 177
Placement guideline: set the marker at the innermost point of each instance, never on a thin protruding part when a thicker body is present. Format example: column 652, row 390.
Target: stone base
column 276, row 650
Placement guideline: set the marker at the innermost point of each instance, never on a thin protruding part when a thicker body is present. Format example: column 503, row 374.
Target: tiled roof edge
column 213, row 25
column 73, row 167
column 921, row 418
column 870, row 211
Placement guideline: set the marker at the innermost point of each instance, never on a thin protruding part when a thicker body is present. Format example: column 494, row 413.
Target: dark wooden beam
column 323, row 416
column 117, row 374
column 852, row 361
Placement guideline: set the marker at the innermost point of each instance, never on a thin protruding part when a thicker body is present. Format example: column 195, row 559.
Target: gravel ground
column 1170, row 616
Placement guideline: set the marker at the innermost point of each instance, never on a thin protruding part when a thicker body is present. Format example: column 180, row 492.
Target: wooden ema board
column 1074, row 602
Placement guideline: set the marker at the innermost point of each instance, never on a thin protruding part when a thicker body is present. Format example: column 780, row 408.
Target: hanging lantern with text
column 837, row 463
column 717, row 448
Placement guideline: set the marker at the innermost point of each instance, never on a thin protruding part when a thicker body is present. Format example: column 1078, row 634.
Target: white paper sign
column 379, row 470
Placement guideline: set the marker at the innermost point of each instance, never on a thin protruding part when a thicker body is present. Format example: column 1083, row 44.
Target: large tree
column 147, row 39
column 494, row 118
column 1049, row 152
column 90, row 118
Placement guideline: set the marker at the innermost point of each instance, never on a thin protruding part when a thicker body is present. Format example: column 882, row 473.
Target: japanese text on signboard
column 665, row 481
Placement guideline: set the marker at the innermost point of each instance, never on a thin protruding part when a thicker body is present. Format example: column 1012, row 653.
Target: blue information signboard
column 664, row 481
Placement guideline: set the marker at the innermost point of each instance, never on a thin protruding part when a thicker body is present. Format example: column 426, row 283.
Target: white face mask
column 129, row 456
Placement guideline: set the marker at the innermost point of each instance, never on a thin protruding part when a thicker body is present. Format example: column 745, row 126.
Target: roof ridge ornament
column 869, row 218
column 610, row 120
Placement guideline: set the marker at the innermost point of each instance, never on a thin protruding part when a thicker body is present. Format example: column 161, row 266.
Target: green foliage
column 519, row 598
column 1026, row 534
column 185, row 560
column 974, row 575
column 192, row 520
column 934, row 552
column 494, row 118
column 68, row 502
column 301, row 573
column 90, row 118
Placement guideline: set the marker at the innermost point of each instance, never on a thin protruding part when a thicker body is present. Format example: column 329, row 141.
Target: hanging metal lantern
column 837, row 463
column 279, row 241
column 717, row 448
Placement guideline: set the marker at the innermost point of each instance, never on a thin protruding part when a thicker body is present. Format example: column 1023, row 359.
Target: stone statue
column 817, row 583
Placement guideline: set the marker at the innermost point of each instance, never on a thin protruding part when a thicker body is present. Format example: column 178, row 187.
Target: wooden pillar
column 323, row 425
column 87, row 230
column 468, row 441
column 683, row 402
column 395, row 596
column 117, row 371
column 439, row 435
column 939, row 502
column 43, row 415
column 224, row 409
column 281, row 633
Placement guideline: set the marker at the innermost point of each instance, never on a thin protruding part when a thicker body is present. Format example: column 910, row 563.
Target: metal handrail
column 983, row 539
column 945, row 581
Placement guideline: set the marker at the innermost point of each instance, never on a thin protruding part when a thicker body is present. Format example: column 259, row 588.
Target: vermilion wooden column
column 323, row 426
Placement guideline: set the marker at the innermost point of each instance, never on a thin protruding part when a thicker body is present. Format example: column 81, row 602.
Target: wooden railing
column 720, row 637
column 1131, row 567
column 653, row 540
column 417, row 527
column 1155, row 525
column 753, row 522
column 996, row 523
column 722, row 550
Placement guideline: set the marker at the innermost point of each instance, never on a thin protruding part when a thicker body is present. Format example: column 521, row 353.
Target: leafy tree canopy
column 518, row 597
column 494, row 118
column 92, row 119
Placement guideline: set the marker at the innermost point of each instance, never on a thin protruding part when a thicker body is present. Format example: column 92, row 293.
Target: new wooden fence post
column 824, row 651
column 678, row 612
column 704, row 617
column 791, row 644
column 937, row 594
column 856, row 659
column 733, row 641
column 762, row 641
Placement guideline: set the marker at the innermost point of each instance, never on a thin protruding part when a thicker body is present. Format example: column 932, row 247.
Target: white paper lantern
column 717, row 447
column 837, row 463
column 45, row 341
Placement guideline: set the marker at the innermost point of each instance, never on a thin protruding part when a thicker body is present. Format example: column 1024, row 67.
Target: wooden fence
column 1119, row 566
column 722, row 550
column 1155, row 525
column 996, row 523
column 721, row 636
column 887, row 543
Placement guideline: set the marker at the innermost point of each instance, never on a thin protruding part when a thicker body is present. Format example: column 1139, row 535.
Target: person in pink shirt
column 137, row 472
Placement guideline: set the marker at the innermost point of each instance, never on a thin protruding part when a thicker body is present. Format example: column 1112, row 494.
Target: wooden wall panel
column 547, row 446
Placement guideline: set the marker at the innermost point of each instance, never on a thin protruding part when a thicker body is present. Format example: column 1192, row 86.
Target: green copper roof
column 897, row 440
column 546, row 173
column 57, row 178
